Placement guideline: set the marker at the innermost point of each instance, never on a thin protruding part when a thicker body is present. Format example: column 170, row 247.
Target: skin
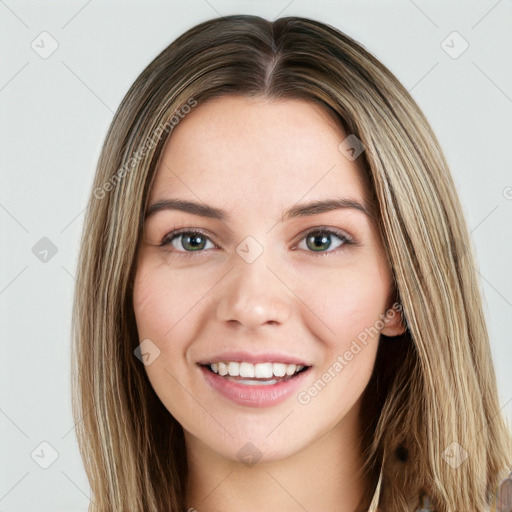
column 256, row 158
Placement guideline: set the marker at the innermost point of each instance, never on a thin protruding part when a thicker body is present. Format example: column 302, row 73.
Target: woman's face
column 258, row 282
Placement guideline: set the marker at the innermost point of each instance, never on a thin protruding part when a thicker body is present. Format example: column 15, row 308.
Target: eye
column 321, row 239
column 186, row 241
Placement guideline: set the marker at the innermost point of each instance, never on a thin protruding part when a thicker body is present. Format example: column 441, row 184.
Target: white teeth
column 290, row 369
column 257, row 382
column 279, row 369
column 263, row 370
column 233, row 369
column 223, row 369
column 256, row 371
column 246, row 370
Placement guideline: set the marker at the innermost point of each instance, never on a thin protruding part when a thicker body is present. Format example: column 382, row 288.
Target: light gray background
column 55, row 112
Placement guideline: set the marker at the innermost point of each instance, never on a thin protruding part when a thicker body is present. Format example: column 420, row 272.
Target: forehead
column 234, row 148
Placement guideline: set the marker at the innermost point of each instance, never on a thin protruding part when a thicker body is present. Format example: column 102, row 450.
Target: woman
column 223, row 359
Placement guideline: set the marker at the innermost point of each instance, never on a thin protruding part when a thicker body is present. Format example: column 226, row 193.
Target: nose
column 253, row 296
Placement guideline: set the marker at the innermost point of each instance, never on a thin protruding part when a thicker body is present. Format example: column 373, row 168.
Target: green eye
column 191, row 241
column 322, row 240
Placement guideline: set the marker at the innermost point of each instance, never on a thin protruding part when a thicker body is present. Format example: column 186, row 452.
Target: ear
column 394, row 324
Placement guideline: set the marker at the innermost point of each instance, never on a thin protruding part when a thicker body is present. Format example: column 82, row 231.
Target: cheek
column 164, row 314
column 347, row 300
column 158, row 310
column 169, row 307
column 149, row 302
column 163, row 300
column 349, row 305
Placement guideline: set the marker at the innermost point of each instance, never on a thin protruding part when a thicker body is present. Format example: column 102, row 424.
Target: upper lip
column 266, row 357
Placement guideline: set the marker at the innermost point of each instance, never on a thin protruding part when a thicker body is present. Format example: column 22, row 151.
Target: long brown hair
column 433, row 389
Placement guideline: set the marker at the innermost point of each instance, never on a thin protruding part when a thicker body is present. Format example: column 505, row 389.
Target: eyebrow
column 301, row 210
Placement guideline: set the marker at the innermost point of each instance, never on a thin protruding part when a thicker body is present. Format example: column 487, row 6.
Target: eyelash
column 322, row 230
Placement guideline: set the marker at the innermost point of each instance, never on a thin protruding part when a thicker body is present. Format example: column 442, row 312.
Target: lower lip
column 254, row 396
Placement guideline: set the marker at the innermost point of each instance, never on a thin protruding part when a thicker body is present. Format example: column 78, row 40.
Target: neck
column 324, row 475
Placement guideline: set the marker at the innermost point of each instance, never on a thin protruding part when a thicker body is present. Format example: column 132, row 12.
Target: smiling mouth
column 255, row 374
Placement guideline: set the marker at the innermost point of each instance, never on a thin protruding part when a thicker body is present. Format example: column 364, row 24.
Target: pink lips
column 254, row 396
column 264, row 357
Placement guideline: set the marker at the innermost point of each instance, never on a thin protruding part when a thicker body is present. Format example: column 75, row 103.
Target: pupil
column 318, row 240
column 193, row 241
